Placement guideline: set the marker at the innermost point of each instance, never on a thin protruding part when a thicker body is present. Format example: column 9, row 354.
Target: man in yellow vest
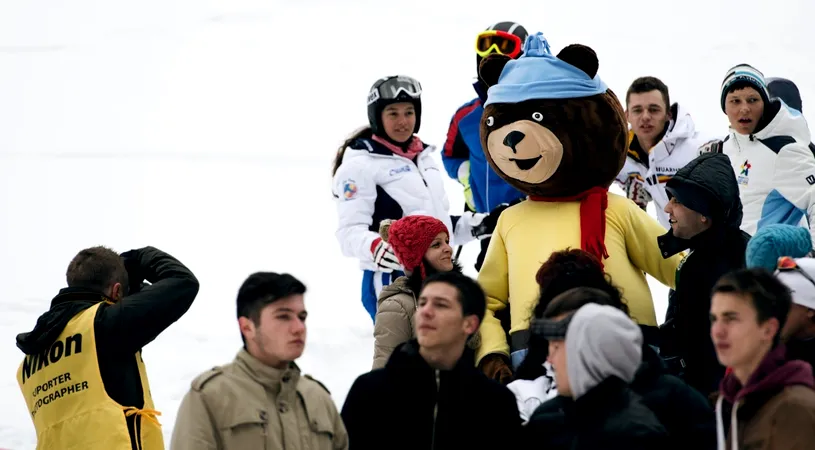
column 83, row 377
column 261, row 400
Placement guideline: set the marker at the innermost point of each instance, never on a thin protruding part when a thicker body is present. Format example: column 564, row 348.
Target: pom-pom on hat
column 410, row 238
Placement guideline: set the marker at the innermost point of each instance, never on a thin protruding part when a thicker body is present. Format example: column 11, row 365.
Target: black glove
column 135, row 273
column 487, row 225
column 712, row 146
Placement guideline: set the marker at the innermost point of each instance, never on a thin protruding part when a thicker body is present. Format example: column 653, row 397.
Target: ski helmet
column 389, row 90
column 512, row 28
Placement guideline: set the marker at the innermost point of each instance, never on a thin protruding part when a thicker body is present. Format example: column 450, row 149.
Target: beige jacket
column 249, row 405
column 393, row 323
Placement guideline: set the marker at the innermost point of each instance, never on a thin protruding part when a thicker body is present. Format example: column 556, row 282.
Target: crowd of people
column 730, row 367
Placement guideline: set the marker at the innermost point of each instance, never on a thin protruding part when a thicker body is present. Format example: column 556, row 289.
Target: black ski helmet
column 511, row 28
column 389, row 90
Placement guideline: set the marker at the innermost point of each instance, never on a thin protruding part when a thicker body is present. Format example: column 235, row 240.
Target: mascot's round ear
column 491, row 67
column 581, row 57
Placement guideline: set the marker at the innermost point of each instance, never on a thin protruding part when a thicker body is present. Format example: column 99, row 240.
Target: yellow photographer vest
column 67, row 400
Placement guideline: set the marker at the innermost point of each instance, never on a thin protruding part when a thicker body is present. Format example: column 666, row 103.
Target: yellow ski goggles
column 501, row 42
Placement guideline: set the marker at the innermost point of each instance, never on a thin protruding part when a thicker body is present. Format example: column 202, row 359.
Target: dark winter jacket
column 608, row 416
column 801, row 350
column 409, row 405
column 122, row 328
column 706, row 183
column 774, row 411
column 685, row 413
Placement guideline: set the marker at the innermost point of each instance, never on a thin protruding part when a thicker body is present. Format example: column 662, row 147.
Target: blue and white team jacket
column 775, row 169
column 373, row 184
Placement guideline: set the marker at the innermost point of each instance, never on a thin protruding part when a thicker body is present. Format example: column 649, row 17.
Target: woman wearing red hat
column 422, row 245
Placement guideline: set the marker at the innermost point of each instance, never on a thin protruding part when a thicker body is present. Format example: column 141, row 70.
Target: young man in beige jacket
column 261, row 400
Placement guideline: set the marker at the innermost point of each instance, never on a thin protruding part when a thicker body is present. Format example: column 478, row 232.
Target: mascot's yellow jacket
column 529, row 232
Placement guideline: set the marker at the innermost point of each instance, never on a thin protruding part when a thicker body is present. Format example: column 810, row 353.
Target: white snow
column 207, row 129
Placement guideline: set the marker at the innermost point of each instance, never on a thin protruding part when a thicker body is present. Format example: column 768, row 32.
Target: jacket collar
column 407, row 361
column 75, row 294
column 773, row 374
column 274, row 380
column 670, row 245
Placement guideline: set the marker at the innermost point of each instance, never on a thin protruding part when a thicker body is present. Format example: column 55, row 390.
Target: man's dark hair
column 647, row 84
column 96, row 269
column 568, row 269
column 263, row 288
column 576, row 298
column 470, row 295
column 770, row 297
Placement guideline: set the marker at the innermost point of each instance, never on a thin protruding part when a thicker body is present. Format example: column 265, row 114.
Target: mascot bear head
column 551, row 128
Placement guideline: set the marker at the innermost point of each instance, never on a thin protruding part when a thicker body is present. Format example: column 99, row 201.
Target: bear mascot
column 553, row 130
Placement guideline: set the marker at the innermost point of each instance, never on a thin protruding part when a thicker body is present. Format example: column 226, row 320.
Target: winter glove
column 487, row 225
column 384, row 257
column 482, row 227
column 635, row 190
column 495, row 367
column 463, row 177
column 712, row 146
column 135, row 272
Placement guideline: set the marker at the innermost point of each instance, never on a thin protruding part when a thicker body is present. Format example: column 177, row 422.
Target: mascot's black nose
column 513, row 139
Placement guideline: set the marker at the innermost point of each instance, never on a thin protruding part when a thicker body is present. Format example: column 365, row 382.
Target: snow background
column 207, row 129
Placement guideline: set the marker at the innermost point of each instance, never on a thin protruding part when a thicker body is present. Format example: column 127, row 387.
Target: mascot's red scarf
column 593, row 204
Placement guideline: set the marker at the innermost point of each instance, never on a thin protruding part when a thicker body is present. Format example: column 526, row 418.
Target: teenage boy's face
column 648, row 114
column 439, row 317
column 744, row 109
column 737, row 336
column 279, row 336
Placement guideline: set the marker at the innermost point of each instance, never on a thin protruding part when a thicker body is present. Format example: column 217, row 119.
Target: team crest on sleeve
column 349, row 189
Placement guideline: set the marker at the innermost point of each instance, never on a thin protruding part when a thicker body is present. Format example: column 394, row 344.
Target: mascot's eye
column 490, row 121
column 537, row 116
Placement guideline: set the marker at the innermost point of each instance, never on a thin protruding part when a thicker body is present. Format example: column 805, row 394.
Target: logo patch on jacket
column 402, row 169
column 811, row 180
column 349, row 189
column 744, row 175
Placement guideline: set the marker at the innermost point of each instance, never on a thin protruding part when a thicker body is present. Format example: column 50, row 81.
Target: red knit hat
column 410, row 238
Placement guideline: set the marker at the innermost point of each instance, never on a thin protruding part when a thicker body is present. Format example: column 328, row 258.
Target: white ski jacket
column 677, row 148
column 373, row 184
column 775, row 169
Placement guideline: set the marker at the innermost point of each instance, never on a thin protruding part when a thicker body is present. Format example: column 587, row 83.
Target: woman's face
column 440, row 254
column 399, row 120
column 744, row 108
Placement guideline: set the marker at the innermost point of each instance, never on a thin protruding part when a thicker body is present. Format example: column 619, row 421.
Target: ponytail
column 361, row 132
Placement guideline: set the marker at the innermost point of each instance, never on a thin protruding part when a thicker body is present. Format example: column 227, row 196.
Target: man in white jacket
column 768, row 147
column 663, row 139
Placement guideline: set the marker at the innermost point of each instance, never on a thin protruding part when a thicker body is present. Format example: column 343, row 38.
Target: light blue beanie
column 774, row 241
column 538, row 74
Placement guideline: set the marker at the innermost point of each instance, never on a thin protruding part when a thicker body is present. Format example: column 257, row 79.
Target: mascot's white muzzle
column 525, row 150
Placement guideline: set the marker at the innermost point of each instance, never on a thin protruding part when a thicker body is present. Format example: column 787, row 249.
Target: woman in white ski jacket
column 384, row 171
column 768, row 146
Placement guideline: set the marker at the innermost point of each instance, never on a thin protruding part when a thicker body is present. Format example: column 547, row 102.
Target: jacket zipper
column 419, row 170
column 435, row 410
